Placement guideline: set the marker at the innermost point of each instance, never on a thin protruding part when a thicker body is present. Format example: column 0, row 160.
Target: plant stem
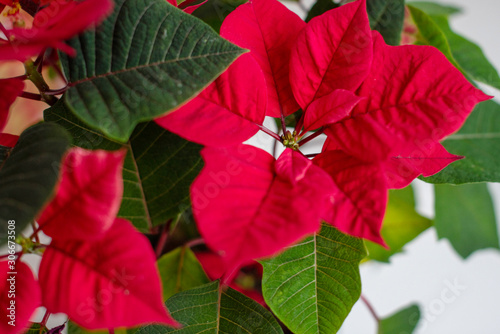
column 45, row 319
column 370, row 308
column 37, row 79
column 195, row 242
column 311, row 137
column 269, row 132
column 31, row 96
column 35, row 232
column 111, row 330
column 163, row 239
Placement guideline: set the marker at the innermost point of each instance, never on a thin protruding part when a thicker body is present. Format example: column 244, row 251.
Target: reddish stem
column 195, row 242
column 163, row 239
column 269, row 132
column 370, row 308
column 31, row 96
column 44, row 320
column 56, row 91
column 311, row 137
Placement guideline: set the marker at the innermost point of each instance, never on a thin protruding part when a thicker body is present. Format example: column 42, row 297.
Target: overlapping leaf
column 400, row 226
column 313, row 285
column 18, row 285
column 153, row 192
column 179, row 271
column 29, row 175
column 110, row 279
column 244, row 197
column 88, row 196
column 465, row 216
column 387, row 16
column 209, row 309
column 339, row 57
column 253, row 26
column 145, row 59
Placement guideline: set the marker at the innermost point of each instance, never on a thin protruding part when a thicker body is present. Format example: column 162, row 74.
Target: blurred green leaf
column 465, row 216
column 29, row 175
column 209, row 309
column 401, row 225
column 403, row 322
column 387, row 16
column 432, row 8
column 180, row 271
column 312, row 286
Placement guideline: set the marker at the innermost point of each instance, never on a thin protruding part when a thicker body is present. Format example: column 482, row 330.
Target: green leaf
column 312, row 286
column 401, row 225
column 470, row 56
column 429, row 33
column 180, row 271
column 29, row 175
column 147, row 58
column 387, row 16
column 465, row 216
column 320, row 7
column 4, row 153
column 75, row 329
column 36, row 328
column 213, row 12
column 403, row 322
column 208, row 309
column 478, row 141
column 432, row 8
column 158, row 170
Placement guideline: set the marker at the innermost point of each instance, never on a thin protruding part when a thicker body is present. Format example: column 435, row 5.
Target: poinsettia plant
column 151, row 211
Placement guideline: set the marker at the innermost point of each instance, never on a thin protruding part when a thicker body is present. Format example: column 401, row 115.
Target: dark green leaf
column 158, row 170
column 312, row 286
column 215, row 11
column 432, row 8
column 465, row 216
column 387, row 16
column 4, row 153
column 147, row 58
column 180, row 271
column 402, row 322
column 478, row 140
column 208, row 309
column 401, row 225
column 469, row 56
column 320, row 7
column 29, row 175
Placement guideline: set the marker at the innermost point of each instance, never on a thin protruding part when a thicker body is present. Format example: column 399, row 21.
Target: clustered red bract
column 384, row 110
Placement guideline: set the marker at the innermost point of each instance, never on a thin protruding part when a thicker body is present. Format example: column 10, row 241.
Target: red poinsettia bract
column 98, row 268
column 384, row 110
column 9, row 90
column 59, row 21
